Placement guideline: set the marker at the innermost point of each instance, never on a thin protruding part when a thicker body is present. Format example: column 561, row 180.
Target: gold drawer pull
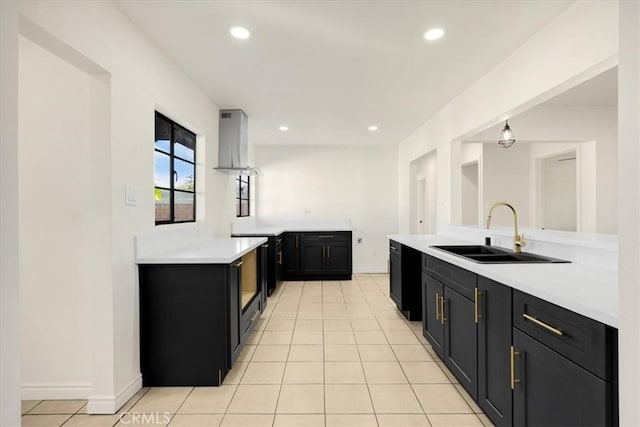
column 330, row 236
column 266, row 245
column 514, row 380
column 437, row 306
column 442, row 303
column 280, row 257
column 543, row 325
column 253, row 316
column 238, row 264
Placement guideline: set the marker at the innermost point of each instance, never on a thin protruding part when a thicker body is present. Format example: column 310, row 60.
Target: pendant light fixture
column 506, row 136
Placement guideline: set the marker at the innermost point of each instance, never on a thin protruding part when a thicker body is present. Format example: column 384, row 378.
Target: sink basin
column 492, row 255
column 472, row 249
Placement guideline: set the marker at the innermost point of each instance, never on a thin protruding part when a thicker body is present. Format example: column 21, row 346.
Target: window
column 175, row 172
column 242, row 195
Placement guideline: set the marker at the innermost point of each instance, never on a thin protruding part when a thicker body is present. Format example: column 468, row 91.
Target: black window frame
column 239, row 197
column 172, row 157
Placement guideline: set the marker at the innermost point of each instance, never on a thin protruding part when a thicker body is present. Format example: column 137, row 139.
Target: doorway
column 423, row 201
column 558, row 192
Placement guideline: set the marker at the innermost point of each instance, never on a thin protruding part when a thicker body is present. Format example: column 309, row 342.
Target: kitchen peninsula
column 533, row 344
column 199, row 299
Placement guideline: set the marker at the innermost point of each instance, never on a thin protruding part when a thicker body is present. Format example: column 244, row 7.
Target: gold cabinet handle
column 266, row 245
column 442, row 303
column 393, row 248
column 437, row 306
column 476, row 303
column 330, row 236
column 543, row 325
column 514, row 380
column 238, row 264
column 328, row 251
column 253, row 316
column 280, row 257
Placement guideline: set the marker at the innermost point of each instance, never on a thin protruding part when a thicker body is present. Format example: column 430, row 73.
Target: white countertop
column 276, row 226
column 584, row 289
column 275, row 231
column 203, row 251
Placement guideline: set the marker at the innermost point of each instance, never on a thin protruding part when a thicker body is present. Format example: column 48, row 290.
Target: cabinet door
column 338, row 258
column 312, row 256
column 433, row 329
column 553, row 391
column 291, row 254
column 494, row 344
column 395, row 279
column 279, row 260
column 234, row 311
column 461, row 340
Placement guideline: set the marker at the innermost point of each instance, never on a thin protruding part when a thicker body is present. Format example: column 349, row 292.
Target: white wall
column 9, row 220
column 506, row 175
column 55, row 208
column 538, row 70
column 470, row 194
column 584, row 124
column 358, row 183
column 628, row 208
column 140, row 79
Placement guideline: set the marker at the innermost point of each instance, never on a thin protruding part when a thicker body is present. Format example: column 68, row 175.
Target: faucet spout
column 518, row 239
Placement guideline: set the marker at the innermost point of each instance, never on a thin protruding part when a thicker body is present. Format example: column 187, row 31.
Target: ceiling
column 329, row 69
column 599, row 90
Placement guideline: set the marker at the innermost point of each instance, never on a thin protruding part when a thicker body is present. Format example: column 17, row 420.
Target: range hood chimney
column 233, row 144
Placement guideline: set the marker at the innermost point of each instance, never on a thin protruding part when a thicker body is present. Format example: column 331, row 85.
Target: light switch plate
column 130, row 196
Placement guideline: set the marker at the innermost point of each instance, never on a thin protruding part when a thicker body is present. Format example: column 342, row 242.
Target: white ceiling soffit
column 599, row 91
column 330, row 69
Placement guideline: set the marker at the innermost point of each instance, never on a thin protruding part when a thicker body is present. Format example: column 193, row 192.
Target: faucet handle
column 521, row 242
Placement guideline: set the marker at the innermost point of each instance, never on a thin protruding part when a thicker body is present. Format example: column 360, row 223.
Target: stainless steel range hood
column 233, row 144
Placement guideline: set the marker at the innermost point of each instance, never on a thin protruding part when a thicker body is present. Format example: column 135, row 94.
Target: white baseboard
column 55, row 391
column 371, row 270
column 110, row 404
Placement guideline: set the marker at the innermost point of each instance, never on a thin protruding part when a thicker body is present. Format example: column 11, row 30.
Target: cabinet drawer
column 585, row 341
column 333, row 236
column 460, row 280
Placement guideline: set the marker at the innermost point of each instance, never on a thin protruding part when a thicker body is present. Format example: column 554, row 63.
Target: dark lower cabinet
column 525, row 361
column 404, row 279
column 338, row 258
column 450, row 328
column 195, row 318
column 290, row 255
column 317, row 256
column 494, row 341
column 460, row 350
column 553, row 391
column 432, row 324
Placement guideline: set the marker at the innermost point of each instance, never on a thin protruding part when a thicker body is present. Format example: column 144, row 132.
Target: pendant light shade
column 506, row 136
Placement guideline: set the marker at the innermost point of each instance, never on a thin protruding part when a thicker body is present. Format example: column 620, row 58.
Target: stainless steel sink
column 492, row 255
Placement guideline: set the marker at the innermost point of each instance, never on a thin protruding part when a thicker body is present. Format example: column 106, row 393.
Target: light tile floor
column 329, row 354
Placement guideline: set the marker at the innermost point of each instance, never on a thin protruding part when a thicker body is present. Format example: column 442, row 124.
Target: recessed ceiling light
column 373, row 128
column 284, row 128
column 240, row 33
column 434, row 34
